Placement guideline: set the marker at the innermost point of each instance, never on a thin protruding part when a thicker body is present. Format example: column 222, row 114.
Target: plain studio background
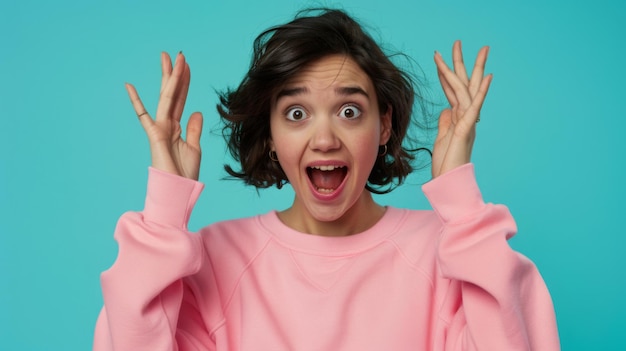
column 74, row 157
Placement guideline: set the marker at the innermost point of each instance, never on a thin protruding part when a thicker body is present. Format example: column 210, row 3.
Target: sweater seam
column 443, row 319
column 466, row 217
column 351, row 252
column 217, row 327
column 315, row 285
column 241, row 275
column 411, row 265
column 168, row 319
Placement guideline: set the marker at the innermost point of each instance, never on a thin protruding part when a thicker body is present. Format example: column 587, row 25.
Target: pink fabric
column 417, row 280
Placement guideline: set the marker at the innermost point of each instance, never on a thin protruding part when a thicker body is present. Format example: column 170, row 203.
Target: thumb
column 194, row 130
column 445, row 120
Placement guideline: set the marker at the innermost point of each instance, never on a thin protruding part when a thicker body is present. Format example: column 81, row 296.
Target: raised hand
column 170, row 153
column 457, row 124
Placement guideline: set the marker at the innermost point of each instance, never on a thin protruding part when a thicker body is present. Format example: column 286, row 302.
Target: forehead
column 332, row 71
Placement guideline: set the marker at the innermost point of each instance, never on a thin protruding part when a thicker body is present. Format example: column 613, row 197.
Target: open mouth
column 328, row 178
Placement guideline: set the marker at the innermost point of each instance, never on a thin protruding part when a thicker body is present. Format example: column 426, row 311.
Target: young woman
column 323, row 109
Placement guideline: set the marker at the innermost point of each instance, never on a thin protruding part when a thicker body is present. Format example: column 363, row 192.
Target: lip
column 335, row 194
column 327, row 163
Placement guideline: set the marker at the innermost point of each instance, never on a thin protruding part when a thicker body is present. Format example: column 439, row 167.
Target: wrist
column 162, row 159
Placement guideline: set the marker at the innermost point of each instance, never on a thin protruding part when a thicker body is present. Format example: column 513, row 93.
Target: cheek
column 285, row 152
column 366, row 147
column 368, row 155
column 288, row 151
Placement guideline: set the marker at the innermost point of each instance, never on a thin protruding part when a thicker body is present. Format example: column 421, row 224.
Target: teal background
column 73, row 157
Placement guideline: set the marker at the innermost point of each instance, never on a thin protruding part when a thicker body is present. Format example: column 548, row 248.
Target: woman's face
column 326, row 131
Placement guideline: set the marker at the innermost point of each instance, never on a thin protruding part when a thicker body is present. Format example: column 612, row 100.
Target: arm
column 496, row 299
column 147, row 306
column 144, row 293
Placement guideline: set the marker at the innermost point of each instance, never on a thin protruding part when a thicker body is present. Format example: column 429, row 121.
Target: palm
column 457, row 124
column 170, row 152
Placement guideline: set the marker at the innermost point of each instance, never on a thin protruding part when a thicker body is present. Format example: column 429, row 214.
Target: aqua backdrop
column 73, row 157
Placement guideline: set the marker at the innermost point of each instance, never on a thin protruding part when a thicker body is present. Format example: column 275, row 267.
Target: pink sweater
column 417, row 280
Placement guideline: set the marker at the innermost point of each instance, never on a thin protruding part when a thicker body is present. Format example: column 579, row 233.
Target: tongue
column 327, row 179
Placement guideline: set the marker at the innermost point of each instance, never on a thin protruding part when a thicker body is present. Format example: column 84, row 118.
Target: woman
column 323, row 109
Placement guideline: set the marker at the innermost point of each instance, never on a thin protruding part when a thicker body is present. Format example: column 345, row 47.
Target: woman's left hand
column 457, row 124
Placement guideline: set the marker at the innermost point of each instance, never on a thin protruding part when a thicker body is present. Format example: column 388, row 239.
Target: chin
column 327, row 215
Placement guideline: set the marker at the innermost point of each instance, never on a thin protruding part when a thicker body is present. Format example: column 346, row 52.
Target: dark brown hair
column 279, row 54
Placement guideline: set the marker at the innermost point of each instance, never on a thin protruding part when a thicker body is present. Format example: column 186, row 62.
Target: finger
column 447, row 89
column 473, row 112
column 194, row 130
column 445, row 120
column 181, row 94
column 168, row 96
column 140, row 110
column 458, row 87
column 457, row 61
column 478, row 71
column 166, row 69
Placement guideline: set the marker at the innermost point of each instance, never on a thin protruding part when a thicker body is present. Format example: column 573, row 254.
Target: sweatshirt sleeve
column 496, row 298
column 144, row 294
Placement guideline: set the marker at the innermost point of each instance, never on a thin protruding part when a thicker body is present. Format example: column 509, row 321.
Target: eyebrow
column 344, row 91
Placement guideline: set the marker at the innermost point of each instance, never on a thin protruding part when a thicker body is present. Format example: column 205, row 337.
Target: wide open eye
column 350, row 112
column 296, row 114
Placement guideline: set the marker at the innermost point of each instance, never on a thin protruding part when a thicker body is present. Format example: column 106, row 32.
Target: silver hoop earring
column 381, row 154
column 273, row 156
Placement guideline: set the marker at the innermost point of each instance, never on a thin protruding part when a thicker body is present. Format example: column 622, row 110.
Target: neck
column 360, row 217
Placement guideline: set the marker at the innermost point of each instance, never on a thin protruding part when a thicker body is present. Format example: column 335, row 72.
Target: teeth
column 327, row 168
column 327, row 191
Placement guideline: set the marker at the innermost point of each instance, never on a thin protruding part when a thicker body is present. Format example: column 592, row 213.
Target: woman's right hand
column 170, row 153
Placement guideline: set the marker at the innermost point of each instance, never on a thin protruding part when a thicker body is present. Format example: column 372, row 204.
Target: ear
column 385, row 125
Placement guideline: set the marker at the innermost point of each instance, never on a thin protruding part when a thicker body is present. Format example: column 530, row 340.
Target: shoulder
column 241, row 237
column 229, row 250
column 414, row 224
column 416, row 236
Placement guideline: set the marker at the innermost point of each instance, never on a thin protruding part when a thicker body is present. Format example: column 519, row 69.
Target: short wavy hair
column 280, row 53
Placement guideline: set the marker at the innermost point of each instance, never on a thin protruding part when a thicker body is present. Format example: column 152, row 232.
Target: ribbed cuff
column 170, row 198
column 454, row 194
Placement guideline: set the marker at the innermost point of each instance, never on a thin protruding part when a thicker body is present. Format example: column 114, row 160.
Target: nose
column 324, row 136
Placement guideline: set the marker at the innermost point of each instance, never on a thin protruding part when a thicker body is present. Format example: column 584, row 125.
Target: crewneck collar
column 333, row 246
